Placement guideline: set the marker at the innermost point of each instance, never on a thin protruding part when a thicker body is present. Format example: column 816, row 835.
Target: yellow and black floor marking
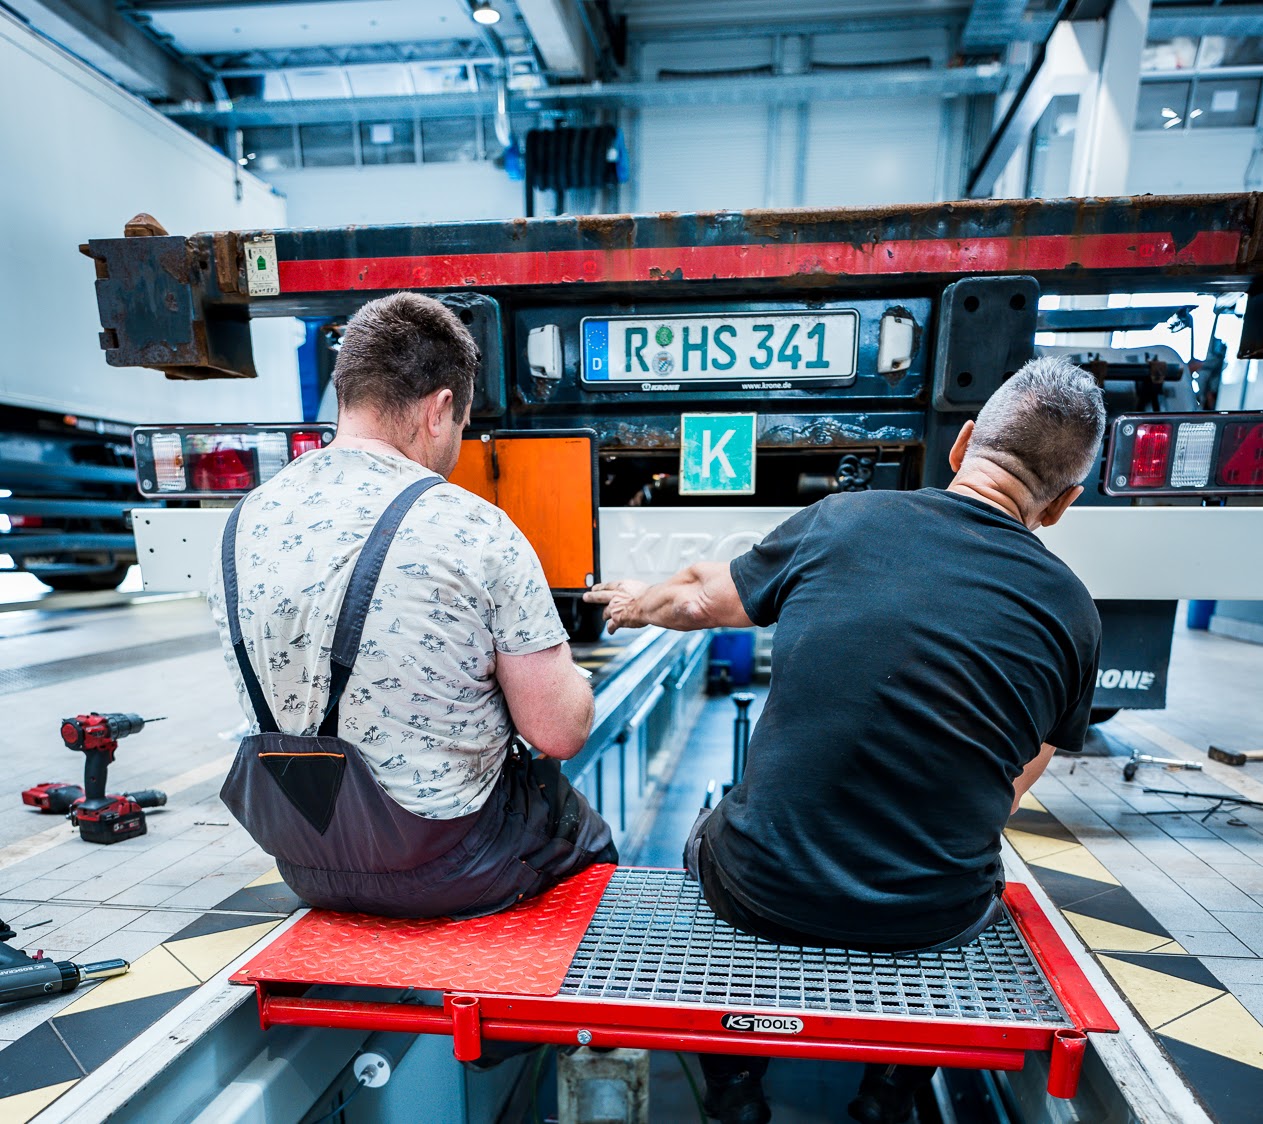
column 266, row 894
column 1213, row 1040
column 50, row 1059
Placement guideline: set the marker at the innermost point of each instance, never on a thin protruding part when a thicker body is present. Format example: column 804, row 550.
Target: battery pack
column 119, row 820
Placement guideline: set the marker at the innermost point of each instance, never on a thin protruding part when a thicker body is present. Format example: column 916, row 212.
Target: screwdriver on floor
column 25, row 977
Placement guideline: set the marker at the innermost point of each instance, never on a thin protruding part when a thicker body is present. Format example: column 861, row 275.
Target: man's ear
column 1057, row 508
column 957, row 455
column 438, row 409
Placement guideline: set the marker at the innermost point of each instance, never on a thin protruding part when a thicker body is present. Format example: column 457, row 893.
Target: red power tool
column 100, row 818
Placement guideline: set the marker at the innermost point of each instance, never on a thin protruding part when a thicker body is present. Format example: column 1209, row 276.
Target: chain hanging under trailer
column 634, row 957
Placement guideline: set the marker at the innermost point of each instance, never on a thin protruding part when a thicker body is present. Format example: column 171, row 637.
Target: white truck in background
column 80, row 157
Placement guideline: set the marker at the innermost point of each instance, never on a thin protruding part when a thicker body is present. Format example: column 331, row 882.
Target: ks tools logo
column 763, row 1024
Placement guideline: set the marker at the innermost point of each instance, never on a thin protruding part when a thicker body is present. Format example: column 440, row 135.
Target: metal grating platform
column 654, row 939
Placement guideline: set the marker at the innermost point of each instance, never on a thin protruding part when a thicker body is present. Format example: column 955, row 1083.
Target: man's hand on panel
column 620, row 601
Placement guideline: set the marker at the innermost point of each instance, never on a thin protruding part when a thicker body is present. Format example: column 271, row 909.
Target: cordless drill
column 25, row 977
column 100, row 818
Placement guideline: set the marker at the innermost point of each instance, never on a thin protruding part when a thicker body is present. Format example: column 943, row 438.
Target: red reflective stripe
column 973, row 255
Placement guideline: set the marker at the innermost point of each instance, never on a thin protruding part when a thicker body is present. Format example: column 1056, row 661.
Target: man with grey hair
column 930, row 653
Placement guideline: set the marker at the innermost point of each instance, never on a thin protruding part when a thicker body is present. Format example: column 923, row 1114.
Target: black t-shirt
column 926, row 645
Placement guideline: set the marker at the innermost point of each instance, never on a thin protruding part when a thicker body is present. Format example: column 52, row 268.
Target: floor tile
column 90, row 927
column 1223, row 1026
column 146, row 894
column 1247, row 876
column 1229, row 1088
column 161, row 921
column 21, row 1107
column 1251, row 996
column 1220, row 943
column 17, row 1019
column 1246, row 927
column 155, row 973
column 207, row 953
column 97, row 1034
column 36, row 1060
column 1233, row 971
column 45, row 889
column 1157, row 996
column 124, row 944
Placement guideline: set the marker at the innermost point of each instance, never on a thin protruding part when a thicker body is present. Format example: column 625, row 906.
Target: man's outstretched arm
column 702, row 595
column 1033, row 771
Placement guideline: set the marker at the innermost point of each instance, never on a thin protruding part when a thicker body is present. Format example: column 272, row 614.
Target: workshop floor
column 180, row 902
column 1172, row 907
column 1170, row 904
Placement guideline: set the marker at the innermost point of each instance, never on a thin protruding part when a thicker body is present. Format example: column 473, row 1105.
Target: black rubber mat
column 27, row 678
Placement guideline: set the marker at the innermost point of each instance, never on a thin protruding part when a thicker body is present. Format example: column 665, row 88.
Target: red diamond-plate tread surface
column 523, row 951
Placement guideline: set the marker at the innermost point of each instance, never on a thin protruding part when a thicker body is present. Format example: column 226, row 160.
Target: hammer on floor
column 1234, row 757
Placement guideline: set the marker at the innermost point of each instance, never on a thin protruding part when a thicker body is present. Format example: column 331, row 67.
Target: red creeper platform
column 634, row 957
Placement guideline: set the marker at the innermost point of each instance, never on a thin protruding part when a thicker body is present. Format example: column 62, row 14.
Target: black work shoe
column 737, row 1099
column 888, row 1093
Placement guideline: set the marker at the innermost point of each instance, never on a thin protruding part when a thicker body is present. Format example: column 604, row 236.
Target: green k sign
column 717, row 454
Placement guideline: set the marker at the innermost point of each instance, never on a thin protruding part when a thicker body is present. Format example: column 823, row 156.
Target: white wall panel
column 870, row 152
column 400, row 193
column 81, row 157
column 1189, row 161
column 708, row 159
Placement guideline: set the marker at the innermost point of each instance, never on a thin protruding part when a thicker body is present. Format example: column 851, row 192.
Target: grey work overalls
column 341, row 842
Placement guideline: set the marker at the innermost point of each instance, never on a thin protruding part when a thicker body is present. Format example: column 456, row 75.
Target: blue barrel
column 1199, row 614
column 736, row 648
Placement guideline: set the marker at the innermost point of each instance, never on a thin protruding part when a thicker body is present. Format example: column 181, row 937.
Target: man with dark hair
column 389, row 634
column 930, row 652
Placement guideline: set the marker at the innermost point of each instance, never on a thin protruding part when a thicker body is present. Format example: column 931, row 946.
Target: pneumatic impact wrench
column 27, row 977
column 100, row 818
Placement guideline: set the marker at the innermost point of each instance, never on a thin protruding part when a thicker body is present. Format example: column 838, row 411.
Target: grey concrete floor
column 1204, row 882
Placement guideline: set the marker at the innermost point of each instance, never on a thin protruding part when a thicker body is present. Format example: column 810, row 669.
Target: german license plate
column 745, row 350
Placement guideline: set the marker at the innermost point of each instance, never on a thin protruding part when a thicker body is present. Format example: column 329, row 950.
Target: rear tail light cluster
column 1185, row 454
column 205, row 461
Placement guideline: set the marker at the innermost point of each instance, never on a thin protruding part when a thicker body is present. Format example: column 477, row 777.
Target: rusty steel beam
column 182, row 305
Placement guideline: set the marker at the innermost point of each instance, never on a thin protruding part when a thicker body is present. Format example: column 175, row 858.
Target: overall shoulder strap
column 228, row 563
column 359, row 595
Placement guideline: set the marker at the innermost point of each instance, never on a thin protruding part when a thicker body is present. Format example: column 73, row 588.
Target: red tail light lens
column 1149, row 456
column 216, row 461
column 223, row 470
column 1241, row 455
column 28, row 521
column 300, row 443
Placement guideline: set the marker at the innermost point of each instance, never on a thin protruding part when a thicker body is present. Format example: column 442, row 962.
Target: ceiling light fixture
column 485, row 14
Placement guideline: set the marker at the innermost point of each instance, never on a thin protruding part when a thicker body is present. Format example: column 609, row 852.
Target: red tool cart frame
column 470, row 1016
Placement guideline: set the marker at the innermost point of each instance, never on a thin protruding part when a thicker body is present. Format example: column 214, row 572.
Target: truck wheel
column 1102, row 714
column 83, row 583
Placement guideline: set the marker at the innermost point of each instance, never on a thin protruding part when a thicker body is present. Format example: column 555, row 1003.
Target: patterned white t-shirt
column 459, row 584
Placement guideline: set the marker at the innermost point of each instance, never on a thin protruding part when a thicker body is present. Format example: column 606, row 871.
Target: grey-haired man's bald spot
column 1044, row 425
